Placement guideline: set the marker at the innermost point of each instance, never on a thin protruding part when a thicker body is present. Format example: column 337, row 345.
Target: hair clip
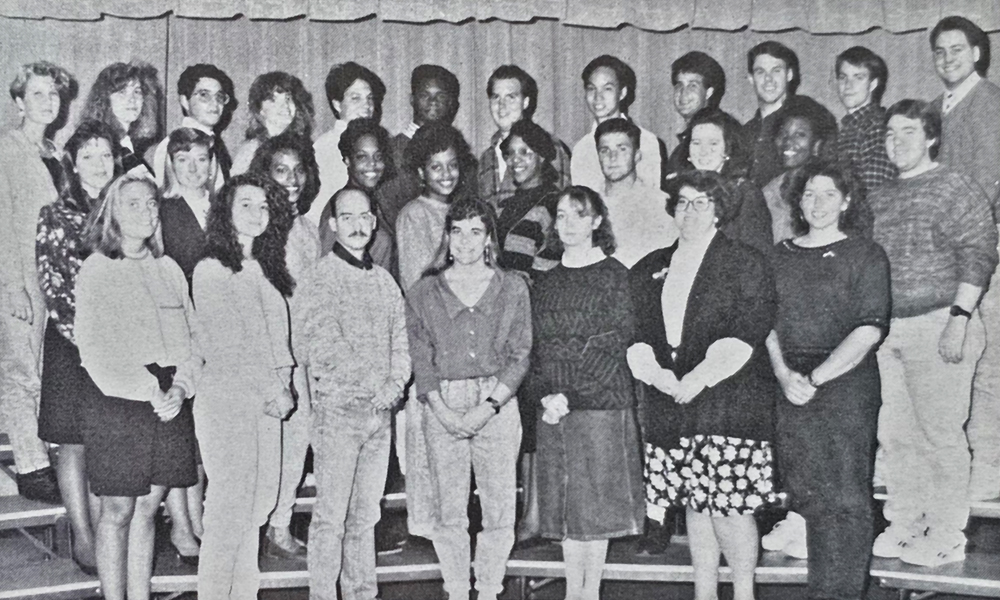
column 661, row 274
column 829, row 254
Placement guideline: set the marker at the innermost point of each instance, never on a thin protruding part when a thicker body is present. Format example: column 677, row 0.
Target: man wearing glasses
column 349, row 315
column 207, row 98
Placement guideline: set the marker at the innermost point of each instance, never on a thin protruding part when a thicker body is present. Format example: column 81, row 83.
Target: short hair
column 183, row 139
column 192, row 75
column 534, row 136
column 782, row 53
column 623, row 72
column 359, row 128
column 113, row 79
column 529, row 87
column 589, row 202
column 822, row 121
column 302, row 147
column 348, row 188
column 446, row 78
column 625, row 126
column 719, row 190
column 90, row 130
column 279, row 82
column 344, row 75
column 929, row 118
column 540, row 143
column 851, row 220
column 433, row 138
column 732, row 135
column 712, row 74
column 65, row 83
column 460, row 211
column 222, row 242
column 973, row 34
column 859, row 56
column 103, row 234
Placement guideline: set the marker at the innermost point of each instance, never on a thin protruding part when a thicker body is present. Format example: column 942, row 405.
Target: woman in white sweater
column 135, row 331
column 240, row 289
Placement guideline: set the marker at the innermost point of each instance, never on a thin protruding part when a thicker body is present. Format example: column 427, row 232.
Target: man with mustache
column 350, row 315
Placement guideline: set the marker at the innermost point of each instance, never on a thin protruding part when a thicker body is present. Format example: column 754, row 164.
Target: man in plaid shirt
column 861, row 78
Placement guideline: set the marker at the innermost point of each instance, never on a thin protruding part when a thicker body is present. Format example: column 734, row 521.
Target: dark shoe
column 88, row 570
column 529, row 543
column 296, row 550
column 655, row 541
column 188, row 559
column 40, row 485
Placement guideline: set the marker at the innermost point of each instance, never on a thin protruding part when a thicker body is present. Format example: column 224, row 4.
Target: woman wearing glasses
column 704, row 308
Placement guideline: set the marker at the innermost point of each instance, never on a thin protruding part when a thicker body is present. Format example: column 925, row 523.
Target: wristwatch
column 958, row 311
column 495, row 404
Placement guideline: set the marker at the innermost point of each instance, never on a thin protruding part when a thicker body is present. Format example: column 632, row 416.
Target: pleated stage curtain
column 551, row 39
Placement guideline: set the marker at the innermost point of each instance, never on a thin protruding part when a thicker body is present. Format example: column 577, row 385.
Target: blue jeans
column 492, row 454
column 350, row 441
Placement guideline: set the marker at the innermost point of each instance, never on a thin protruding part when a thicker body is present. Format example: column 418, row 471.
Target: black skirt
column 66, row 390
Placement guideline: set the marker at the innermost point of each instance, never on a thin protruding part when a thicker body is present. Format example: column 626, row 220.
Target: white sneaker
column 792, row 527
column 891, row 542
column 934, row 551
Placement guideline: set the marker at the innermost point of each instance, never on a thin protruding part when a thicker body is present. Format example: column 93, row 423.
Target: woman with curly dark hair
column 278, row 103
column 704, row 307
column 240, row 289
column 288, row 159
column 128, row 97
column 589, row 469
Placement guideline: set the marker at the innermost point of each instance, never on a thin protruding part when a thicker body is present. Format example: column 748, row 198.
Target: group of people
column 639, row 332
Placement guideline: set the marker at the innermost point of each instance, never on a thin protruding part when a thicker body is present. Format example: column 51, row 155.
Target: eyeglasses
column 365, row 217
column 699, row 204
column 207, row 96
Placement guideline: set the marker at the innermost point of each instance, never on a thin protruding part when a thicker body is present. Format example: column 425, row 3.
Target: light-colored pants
column 241, row 452
column 21, row 384
column 925, row 404
column 350, row 458
column 492, row 454
column 419, row 489
column 294, row 447
column 984, row 422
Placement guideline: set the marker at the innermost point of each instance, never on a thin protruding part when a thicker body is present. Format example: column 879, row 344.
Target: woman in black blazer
column 704, row 308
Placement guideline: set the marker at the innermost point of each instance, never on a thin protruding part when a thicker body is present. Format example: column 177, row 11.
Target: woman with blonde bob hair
column 135, row 328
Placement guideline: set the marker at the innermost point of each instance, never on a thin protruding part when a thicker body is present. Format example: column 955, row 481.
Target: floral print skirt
column 713, row 474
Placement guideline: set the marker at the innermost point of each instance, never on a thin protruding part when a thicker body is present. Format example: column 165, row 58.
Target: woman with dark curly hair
column 278, row 103
column 30, row 178
column 715, row 143
column 240, row 289
column 833, row 310
column 288, row 159
column 704, row 307
column 128, row 98
column 589, row 469
column 89, row 159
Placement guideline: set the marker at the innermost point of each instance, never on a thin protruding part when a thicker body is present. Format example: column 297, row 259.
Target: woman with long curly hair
column 278, row 103
column 240, row 289
column 127, row 97
column 288, row 159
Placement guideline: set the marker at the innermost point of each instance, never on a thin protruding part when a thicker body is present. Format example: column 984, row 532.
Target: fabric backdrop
column 552, row 50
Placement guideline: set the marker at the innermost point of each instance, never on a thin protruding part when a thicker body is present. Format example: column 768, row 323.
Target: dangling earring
column 486, row 257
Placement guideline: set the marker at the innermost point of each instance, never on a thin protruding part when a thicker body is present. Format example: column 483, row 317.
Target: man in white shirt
column 636, row 210
column 609, row 89
column 206, row 95
column 970, row 141
column 353, row 92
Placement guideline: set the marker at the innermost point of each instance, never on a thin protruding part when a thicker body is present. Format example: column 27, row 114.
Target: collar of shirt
column 126, row 142
column 953, row 97
column 501, row 163
column 410, row 130
column 344, row 254
column 591, row 257
column 195, row 124
column 453, row 306
column 868, row 111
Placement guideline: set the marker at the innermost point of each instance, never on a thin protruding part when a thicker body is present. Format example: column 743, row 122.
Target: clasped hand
column 797, row 388
column 556, row 407
column 281, row 405
column 167, row 405
column 463, row 425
